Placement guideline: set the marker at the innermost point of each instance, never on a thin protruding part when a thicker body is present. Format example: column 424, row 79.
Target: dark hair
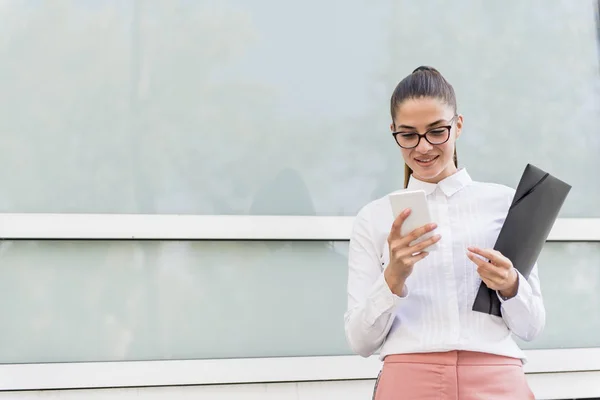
column 423, row 82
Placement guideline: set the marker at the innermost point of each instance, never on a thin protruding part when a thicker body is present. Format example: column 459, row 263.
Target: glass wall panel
column 111, row 300
column 270, row 107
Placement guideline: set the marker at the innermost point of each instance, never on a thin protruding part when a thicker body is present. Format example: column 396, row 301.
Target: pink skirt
column 453, row 375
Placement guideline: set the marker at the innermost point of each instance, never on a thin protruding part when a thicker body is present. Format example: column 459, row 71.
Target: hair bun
column 425, row 68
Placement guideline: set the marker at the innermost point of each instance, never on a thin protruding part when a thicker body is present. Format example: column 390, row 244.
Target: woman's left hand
column 498, row 274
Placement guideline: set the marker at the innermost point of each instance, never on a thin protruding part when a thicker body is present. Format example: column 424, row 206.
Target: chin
column 426, row 174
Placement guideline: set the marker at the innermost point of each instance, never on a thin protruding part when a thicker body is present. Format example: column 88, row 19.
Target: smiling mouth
column 426, row 160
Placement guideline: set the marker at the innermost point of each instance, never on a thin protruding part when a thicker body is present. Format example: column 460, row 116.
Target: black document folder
column 534, row 209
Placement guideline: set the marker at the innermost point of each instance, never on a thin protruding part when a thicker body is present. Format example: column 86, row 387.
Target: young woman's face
column 429, row 162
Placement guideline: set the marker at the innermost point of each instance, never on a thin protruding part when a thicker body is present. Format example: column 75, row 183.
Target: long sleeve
column 371, row 304
column 524, row 313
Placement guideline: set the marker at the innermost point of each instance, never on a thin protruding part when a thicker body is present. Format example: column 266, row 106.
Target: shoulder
column 375, row 207
column 495, row 188
column 493, row 192
column 375, row 217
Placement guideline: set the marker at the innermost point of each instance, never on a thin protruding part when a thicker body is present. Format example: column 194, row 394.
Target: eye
column 437, row 132
column 408, row 135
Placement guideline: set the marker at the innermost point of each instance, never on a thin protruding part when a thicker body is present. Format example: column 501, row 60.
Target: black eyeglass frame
column 424, row 135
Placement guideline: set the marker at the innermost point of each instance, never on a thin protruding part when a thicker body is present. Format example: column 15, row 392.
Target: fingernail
column 437, row 237
column 470, row 248
column 432, row 226
column 407, row 211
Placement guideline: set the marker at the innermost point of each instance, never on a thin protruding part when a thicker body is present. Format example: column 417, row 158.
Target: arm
column 522, row 304
column 524, row 313
column 371, row 304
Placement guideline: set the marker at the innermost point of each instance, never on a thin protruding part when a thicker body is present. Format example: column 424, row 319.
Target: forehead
column 422, row 111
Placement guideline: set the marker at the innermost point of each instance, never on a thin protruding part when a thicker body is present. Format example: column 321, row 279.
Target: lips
column 425, row 161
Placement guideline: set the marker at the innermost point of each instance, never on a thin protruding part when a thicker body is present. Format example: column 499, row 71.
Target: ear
column 459, row 125
column 392, row 127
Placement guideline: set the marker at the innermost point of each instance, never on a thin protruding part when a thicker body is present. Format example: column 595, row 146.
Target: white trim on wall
column 218, row 227
column 547, row 386
column 235, row 371
column 542, row 363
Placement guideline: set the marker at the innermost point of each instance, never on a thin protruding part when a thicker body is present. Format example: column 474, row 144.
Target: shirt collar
column 449, row 185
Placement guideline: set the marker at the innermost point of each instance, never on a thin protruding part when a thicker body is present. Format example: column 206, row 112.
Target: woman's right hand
column 403, row 256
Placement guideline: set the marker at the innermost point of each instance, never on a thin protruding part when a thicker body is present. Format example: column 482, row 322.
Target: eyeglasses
column 435, row 136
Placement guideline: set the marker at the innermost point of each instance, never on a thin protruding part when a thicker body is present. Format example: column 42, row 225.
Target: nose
column 424, row 146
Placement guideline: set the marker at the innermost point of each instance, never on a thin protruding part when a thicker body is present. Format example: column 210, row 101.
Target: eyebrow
column 439, row 121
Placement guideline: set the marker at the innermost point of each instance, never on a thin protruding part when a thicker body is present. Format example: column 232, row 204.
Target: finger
column 417, row 248
column 417, row 233
column 489, row 275
column 477, row 260
column 397, row 225
column 487, row 253
column 485, row 268
column 499, row 276
column 400, row 251
column 494, row 256
column 414, row 259
column 489, row 283
column 502, row 259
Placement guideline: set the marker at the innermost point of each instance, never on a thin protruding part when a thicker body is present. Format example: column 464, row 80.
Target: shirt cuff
column 523, row 290
column 383, row 300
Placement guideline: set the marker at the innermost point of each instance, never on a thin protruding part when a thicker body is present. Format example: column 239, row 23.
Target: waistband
column 456, row 357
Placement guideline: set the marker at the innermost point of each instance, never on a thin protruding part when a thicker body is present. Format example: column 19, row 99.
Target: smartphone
column 420, row 214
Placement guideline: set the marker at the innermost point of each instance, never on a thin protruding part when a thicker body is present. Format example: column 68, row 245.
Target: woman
column 415, row 307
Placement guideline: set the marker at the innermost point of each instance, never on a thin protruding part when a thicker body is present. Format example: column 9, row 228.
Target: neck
column 448, row 171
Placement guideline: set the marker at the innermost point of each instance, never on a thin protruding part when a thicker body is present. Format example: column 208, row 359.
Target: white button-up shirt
column 435, row 313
